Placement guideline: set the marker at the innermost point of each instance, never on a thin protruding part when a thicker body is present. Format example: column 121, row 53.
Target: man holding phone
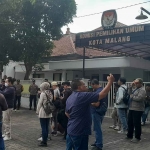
column 78, row 111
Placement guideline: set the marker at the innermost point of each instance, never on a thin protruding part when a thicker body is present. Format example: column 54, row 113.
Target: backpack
column 48, row 106
column 126, row 96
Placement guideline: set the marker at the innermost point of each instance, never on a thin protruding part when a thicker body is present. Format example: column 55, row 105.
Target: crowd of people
column 70, row 108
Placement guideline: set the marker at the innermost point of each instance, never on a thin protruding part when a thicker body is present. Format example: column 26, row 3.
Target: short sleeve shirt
column 78, row 107
column 56, row 93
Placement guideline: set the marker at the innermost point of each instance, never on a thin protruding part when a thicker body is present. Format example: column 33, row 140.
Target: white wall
column 9, row 70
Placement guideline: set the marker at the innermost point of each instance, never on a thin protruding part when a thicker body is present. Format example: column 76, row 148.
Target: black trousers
column 33, row 97
column 134, row 122
column 17, row 102
column 63, row 120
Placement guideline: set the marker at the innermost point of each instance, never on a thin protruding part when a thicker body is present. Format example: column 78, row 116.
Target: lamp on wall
column 142, row 16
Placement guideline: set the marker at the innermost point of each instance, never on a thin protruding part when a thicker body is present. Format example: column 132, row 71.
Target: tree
column 36, row 24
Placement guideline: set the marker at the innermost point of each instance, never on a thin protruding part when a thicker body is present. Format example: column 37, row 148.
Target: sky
column 125, row 16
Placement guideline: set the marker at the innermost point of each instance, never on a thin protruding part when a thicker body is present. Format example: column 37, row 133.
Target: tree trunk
column 28, row 71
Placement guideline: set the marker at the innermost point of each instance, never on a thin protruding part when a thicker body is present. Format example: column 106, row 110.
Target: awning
column 129, row 40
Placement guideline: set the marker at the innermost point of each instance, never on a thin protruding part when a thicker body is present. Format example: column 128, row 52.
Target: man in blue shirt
column 78, row 110
column 98, row 111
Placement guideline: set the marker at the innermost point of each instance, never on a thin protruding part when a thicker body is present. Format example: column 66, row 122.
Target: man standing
column 64, row 120
column 9, row 94
column 33, row 89
column 56, row 102
column 121, row 106
column 78, row 110
column 3, row 107
column 19, row 90
column 136, row 110
column 98, row 111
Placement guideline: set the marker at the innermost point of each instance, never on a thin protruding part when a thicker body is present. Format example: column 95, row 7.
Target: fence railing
column 26, row 84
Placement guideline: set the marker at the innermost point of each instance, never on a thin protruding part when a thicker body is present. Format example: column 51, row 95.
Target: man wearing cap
column 33, row 89
column 136, row 109
column 19, row 90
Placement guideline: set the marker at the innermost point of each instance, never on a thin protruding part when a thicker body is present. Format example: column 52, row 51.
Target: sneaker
column 96, row 148
column 49, row 139
column 42, row 144
column 54, row 133
column 117, row 128
column 135, row 140
column 40, row 139
column 7, row 138
column 3, row 135
column 93, row 144
column 142, row 123
column 112, row 127
column 122, row 132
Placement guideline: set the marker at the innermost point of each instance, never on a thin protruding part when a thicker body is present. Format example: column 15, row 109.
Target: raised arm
column 106, row 90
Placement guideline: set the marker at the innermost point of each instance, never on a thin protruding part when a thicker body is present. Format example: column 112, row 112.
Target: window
column 38, row 75
column 57, row 76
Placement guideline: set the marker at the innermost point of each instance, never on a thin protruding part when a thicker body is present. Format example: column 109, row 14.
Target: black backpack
column 126, row 96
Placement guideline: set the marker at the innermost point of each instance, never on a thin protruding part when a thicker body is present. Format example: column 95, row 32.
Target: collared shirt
column 78, row 107
column 33, row 89
column 19, row 89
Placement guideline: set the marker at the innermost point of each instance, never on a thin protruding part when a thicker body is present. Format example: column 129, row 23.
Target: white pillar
column 122, row 72
column 63, row 78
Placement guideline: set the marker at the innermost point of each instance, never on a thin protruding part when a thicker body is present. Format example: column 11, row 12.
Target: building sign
column 135, row 33
column 109, row 19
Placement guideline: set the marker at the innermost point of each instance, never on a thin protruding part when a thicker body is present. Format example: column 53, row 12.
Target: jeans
column 134, row 121
column 33, row 97
column 122, row 112
column 45, row 128
column 2, row 146
column 145, row 114
column 7, row 122
column 97, row 122
column 77, row 142
column 17, row 101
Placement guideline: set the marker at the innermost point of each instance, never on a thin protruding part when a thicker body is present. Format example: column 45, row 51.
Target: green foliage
column 31, row 26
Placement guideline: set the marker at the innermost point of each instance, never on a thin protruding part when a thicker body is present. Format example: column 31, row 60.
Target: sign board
column 109, row 19
column 127, row 34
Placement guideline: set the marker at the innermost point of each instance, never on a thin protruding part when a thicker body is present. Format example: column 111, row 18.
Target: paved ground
column 26, row 130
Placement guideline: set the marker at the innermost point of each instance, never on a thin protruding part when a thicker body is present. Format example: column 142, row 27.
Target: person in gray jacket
column 136, row 109
column 121, row 106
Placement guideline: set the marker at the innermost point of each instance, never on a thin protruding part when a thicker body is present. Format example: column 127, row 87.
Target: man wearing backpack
column 98, row 111
column 121, row 106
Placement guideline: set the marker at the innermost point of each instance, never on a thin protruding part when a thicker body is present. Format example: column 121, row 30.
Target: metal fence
column 26, row 84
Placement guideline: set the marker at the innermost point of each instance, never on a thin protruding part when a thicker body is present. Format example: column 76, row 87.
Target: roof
column 66, row 46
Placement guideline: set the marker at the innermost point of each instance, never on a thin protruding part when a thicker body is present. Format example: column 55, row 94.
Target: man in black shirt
column 62, row 118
